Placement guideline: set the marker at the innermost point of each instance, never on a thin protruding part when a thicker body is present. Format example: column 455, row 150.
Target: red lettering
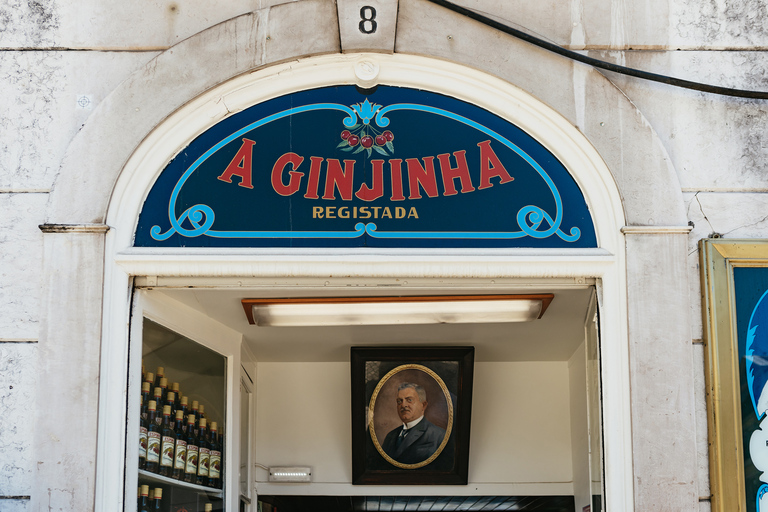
column 421, row 176
column 369, row 194
column 313, row 181
column 461, row 171
column 396, row 174
column 241, row 165
column 295, row 177
column 491, row 166
column 341, row 179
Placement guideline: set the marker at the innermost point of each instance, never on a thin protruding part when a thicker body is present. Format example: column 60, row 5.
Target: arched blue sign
column 343, row 167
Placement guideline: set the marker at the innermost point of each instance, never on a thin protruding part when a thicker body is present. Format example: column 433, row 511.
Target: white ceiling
column 554, row 337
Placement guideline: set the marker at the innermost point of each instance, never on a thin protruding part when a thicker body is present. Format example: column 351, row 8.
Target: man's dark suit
column 418, row 445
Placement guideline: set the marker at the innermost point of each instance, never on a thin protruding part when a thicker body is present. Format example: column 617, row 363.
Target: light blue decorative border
column 760, row 492
column 202, row 216
column 750, row 356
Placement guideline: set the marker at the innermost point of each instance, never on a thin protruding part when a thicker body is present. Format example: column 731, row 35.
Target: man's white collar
column 411, row 424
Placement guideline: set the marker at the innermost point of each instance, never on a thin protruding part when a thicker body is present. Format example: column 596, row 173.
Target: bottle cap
column 163, row 382
column 208, row 507
column 145, row 490
column 151, row 494
column 149, row 377
column 179, row 415
column 195, row 405
column 175, row 387
column 202, row 409
column 203, row 423
column 158, row 391
column 145, row 387
column 152, row 405
column 214, row 426
column 184, row 400
column 171, row 396
column 167, row 410
column 158, row 493
column 191, row 419
column 160, row 371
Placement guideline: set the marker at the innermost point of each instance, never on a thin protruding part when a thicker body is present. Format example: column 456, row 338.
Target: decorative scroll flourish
column 532, row 220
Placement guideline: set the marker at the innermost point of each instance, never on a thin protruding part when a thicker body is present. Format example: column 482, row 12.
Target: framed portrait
column 411, row 412
column 735, row 302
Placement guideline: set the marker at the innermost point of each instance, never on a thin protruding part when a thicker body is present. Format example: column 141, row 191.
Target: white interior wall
column 520, row 435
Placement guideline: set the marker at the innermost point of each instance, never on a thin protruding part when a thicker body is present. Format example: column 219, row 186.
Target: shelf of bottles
column 183, row 400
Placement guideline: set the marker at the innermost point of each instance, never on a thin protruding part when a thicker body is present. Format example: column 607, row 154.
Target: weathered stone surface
column 731, row 215
column 40, row 91
column 17, row 406
column 21, row 244
column 15, row 505
column 173, row 78
column 583, row 23
column 376, row 34
column 718, row 24
column 702, row 441
column 68, row 373
column 112, row 24
column 714, row 142
column 662, row 374
column 26, row 23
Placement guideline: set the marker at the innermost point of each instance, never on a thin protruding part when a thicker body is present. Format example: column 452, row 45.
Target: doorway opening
column 536, row 435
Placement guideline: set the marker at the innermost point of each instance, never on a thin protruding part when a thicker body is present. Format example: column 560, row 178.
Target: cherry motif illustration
column 363, row 136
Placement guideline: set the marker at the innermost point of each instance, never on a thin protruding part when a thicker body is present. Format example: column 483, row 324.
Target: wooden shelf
column 148, row 476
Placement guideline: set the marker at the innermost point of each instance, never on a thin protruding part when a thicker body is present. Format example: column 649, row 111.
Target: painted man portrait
column 417, row 438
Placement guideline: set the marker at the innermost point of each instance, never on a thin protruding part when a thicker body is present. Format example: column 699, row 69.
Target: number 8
column 367, row 20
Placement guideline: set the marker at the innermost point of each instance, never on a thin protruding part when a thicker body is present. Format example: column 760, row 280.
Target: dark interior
column 420, row 503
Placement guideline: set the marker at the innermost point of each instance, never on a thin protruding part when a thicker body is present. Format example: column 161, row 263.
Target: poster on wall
column 411, row 410
column 735, row 285
column 383, row 167
column 751, row 294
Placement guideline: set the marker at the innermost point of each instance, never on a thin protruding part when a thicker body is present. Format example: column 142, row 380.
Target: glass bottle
column 204, row 459
column 168, row 445
column 157, row 504
column 144, row 499
column 142, row 438
column 153, row 439
column 190, row 470
column 164, row 386
column 196, row 412
column 160, row 374
column 175, row 389
column 180, row 456
column 201, row 410
column 184, row 405
column 214, row 471
column 157, row 396
column 145, row 397
column 170, row 400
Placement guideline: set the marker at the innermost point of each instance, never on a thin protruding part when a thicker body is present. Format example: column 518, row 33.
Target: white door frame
column 607, row 264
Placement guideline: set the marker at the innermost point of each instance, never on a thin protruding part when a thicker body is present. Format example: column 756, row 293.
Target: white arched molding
column 589, row 170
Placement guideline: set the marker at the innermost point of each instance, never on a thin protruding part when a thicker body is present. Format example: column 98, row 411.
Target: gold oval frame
column 450, row 415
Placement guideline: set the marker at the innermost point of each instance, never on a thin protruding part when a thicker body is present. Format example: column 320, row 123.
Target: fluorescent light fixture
column 290, row 474
column 440, row 309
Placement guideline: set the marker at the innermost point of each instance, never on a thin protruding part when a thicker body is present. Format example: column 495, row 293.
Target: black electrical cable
column 677, row 82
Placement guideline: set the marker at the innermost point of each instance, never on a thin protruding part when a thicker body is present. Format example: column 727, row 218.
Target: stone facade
column 71, row 68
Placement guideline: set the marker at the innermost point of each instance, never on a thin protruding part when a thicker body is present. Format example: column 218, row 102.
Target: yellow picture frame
column 718, row 258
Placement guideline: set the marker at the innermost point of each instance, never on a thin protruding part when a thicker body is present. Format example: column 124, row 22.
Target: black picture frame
column 438, row 453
